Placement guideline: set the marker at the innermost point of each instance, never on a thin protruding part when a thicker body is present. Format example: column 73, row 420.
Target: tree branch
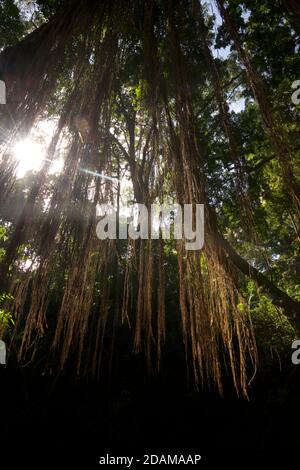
column 290, row 306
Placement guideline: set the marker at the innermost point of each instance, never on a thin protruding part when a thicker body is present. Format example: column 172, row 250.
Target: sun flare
column 29, row 155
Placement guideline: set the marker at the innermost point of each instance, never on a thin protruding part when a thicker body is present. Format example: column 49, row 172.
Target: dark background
column 54, row 422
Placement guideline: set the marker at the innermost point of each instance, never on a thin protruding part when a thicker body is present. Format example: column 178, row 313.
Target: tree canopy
column 182, row 101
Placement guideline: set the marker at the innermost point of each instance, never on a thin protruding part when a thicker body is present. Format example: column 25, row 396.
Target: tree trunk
column 291, row 307
column 274, row 131
column 242, row 197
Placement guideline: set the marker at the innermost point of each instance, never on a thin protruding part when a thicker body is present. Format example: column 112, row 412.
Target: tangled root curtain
column 123, row 80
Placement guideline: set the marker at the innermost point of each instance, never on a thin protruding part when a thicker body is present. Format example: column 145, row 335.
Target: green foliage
column 3, row 238
column 6, row 319
column 49, row 7
column 274, row 334
column 11, row 24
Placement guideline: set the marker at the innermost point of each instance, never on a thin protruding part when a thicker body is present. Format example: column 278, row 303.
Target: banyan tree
column 125, row 84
